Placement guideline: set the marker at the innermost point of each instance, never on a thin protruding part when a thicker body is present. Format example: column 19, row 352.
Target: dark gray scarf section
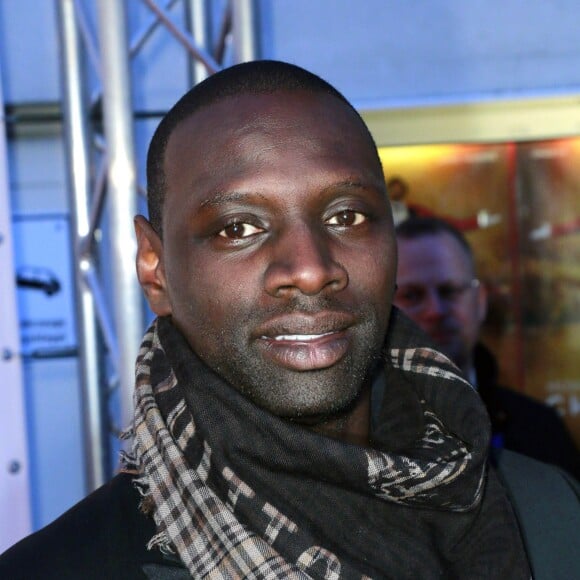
column 240, row 493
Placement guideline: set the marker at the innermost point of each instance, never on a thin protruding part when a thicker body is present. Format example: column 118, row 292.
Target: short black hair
column 419, row 227
column 396, row 180
column 255, row 77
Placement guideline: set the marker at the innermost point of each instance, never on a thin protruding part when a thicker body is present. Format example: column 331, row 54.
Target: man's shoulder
column 103, row 536
column 537, row 430
column 520, row 470
column 522, row 403
column 546, row 501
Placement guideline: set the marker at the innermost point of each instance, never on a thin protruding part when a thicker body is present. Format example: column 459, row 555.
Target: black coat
column 522, row 424
column 102, row 537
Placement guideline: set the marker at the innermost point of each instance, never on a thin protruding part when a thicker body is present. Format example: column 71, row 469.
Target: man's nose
column 302, row 262
column 433, row 304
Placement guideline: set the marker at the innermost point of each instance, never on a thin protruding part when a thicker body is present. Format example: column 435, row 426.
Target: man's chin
column 447, row 344
column 310, row 418
column 307, row 398
column 313, row 410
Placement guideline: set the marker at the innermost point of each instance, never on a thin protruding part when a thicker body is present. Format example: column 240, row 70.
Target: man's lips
column 306, row 343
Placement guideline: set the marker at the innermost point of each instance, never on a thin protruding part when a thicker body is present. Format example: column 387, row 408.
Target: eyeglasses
column 414, row 296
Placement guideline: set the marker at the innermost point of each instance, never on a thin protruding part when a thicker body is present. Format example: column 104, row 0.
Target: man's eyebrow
column 348, row 183
column 219, row 198
column 354, row 184
column 225, row 197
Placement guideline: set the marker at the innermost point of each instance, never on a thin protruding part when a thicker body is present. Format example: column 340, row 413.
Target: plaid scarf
column 239, row 493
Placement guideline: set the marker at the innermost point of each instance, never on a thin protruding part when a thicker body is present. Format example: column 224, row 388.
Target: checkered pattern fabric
column 238, row 493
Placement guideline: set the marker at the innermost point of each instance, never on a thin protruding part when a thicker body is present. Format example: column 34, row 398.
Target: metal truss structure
column 104, row 188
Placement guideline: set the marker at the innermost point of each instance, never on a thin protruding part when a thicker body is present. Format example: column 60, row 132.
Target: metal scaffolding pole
column 199, row 25
column 100, row 332
column 76, row 136
column 244, row 30
column 122, row 193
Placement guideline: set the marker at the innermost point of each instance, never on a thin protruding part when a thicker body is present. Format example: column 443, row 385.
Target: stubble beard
column 308, row 394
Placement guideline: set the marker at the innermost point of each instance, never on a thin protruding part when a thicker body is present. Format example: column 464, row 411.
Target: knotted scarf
column 239, row 493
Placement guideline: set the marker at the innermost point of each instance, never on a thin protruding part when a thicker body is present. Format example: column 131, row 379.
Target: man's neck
column 352, row 426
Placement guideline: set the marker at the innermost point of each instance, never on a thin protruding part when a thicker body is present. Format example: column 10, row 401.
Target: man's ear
column 481, row 302
column 150, row 268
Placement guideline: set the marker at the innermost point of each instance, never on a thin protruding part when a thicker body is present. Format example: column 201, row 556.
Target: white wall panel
column 14, row 462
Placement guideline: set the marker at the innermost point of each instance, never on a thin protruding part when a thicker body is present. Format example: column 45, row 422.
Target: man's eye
column 450, row 292
column 411, row 295
column 239, row 230
column 347, row 217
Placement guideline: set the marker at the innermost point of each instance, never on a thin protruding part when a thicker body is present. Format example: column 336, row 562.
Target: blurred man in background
column 438, row 289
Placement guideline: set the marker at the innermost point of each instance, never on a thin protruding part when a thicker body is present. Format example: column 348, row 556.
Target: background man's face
column 436, row 290
column 278, row 249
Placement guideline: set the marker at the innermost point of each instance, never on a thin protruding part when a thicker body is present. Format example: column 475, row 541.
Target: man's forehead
column 278, row 107
column 430, row 255
column 246, row 125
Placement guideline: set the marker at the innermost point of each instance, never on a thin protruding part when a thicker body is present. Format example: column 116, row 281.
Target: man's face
column 278, row 258
column 437, row 290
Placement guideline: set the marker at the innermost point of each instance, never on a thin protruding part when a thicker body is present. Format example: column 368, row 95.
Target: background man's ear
column 481, row 302
column 150, row 270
